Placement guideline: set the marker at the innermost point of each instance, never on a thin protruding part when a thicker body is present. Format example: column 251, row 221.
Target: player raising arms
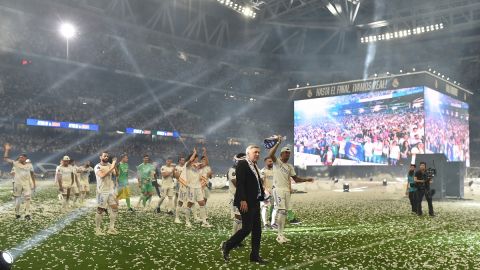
column 282, row 171
column 195, row 194
column 23, row 180
column 105, row 194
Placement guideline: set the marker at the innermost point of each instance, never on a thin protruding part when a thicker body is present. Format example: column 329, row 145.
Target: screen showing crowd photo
column 447, row 126
column 375, row 128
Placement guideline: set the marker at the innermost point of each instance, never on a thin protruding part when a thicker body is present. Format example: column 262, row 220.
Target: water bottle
column 271, row 141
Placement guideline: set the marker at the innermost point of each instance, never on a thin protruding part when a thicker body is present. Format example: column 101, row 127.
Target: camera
column 431, row 172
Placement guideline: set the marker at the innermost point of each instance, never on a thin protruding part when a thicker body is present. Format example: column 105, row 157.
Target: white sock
column 194, row 211
column 75, row 198
column 82, row 197
column 264, row 215
column 170, row 204
column 65, row 203
column 113, row 216
column 27, row 206
column 177, row 211
column 160, row 201
column 274, row 216
column 188, row 212
column 203, row 214
column 282, row 217
column 237, row 225
column 18, row 202
column 98, row 220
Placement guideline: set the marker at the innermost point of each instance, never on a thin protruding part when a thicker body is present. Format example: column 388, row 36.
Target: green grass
column 364, row 230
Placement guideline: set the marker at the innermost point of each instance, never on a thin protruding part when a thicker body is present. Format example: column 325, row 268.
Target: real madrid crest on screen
column 309, row 93
column 395, row 82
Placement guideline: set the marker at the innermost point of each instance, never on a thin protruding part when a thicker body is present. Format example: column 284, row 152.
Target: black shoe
column 17, row 216
column 259, row 260
column 295, row 221
column 157, row 210
column 225, row 252
column 267, row 227
column 432, row 215
column 170, row 213
column 27, row 217
column 131, row 210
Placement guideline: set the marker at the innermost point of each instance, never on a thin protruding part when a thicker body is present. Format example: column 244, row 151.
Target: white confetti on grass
column 332, row 223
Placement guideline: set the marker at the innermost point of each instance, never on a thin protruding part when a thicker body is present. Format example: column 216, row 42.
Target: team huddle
column 184, row 187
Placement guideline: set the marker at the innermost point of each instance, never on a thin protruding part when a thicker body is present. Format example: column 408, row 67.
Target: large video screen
column 447, row 126
column 375, row 128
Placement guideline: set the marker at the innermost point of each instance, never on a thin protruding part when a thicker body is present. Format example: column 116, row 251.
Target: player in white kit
column 105, row 194
column 282, row 171
column 192, row 171
column 167, row 171
column 267, row 181
column 84, row 173
column 76, row 184
column 24, row 181
column 65, row 179
column 181, row 197
column 232, row 188
column 205, row 176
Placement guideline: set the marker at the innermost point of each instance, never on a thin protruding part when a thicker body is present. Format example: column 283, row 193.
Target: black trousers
column 250, row 224
column 413, row 200
column 157, row 187
column 420, row 194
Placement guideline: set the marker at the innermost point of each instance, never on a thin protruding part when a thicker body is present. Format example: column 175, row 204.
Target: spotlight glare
column 67, row 30
column 6, row 260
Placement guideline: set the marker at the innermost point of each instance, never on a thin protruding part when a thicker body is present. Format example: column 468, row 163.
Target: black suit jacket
column 247, row 185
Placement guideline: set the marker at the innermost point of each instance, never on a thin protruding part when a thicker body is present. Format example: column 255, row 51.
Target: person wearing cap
column 65, row 179
column 23, row 179
column 282, row 172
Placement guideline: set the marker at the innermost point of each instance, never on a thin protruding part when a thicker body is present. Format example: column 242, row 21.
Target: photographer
column 423, row 182
column 411, row 188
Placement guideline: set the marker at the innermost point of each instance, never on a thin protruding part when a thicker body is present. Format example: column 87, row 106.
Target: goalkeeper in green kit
column 123, row 192
column 145, row 175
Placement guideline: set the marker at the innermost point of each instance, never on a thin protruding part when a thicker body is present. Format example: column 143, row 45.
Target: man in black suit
column 247, row 198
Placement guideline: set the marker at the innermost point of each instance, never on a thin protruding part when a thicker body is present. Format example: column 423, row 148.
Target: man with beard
column 105, row 194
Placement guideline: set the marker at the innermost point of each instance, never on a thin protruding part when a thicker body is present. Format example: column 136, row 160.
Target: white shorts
column 233, row 209
column 75, row 189
column 22, row 189
column 268, row 202
column 183, row 194
column 167, row 191
column 105, row 199
column 281, row 198
column 84, row 186
column 195, row 195
column 206, row 192
column 66, row 186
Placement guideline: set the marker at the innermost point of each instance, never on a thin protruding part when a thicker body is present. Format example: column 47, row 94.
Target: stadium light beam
column 67, row 31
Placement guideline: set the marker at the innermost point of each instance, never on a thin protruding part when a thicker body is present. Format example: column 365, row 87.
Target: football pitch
column 372, row 229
